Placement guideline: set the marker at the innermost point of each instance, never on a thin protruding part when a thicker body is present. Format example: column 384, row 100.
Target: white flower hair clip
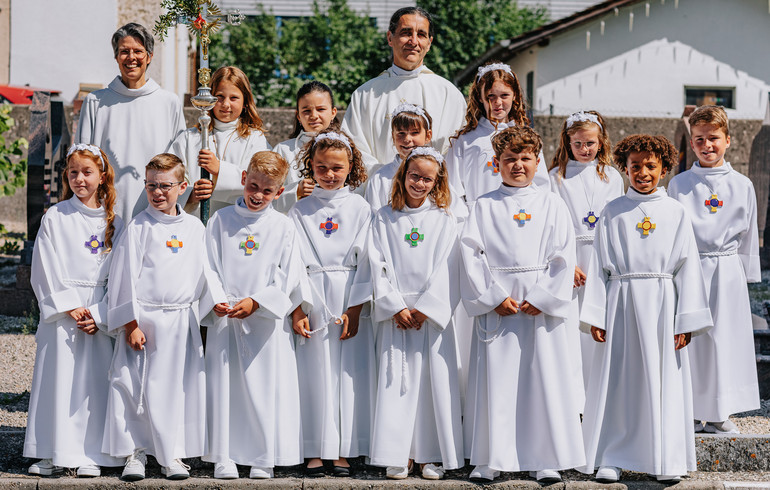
column 583, row 117
column 89, row 148
column 426, row 151
column 483, row 70
column 333, row 137
column 412, row 108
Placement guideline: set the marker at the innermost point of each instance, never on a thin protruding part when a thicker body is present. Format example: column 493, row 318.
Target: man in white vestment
column 408, row 80
column 131, row 120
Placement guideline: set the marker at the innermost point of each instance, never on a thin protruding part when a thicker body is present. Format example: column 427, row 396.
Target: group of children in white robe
column 345, row 328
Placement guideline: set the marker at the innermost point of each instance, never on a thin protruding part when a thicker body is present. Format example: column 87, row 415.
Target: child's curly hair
column 659, row 146
column 357, row 175
column 517, row 139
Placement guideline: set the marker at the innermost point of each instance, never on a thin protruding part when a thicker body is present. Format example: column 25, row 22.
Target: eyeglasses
column 579, row 144
column 163, row 186
column 138, row 53
column 416, row 178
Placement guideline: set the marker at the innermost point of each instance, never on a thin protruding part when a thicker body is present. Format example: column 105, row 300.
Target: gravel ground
column 17, row 354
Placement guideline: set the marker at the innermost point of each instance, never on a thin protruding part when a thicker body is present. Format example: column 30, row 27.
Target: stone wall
column 280, row 122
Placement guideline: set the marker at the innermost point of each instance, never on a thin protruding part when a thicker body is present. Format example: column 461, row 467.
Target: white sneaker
column 432, row 472
column 669, row 478
column 226, row 470
column 396, row 472
column 608, row 474
column 260, row 473
column 134, row 469
column 483, row 472
column 89, row 471
column 177, row 470
column 726, row 427
column 699, row 426
column 44, row 467
column 545, row 476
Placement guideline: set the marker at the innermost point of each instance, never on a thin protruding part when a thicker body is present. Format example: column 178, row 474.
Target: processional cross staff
column 202, row 17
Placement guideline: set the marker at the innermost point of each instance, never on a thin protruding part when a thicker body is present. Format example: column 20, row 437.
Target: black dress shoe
column 316, row 472
column 342, row 471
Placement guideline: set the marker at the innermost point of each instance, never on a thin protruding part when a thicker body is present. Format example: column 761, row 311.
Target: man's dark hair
column 410, row 11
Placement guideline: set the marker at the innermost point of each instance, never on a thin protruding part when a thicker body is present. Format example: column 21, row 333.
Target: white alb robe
column 520, row 408
column 68, row 400
column 252, row 388
column 724, row 371
column 131, row 126
column 233, row 152
column 160, row 278
column 291, row 151
column 584, row 192
column 642, row 290
column 470, row 164
column 414, row 265
column 337, row 377
column 367, row 119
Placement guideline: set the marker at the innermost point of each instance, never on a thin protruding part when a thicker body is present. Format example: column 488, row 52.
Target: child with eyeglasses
column 159, row 288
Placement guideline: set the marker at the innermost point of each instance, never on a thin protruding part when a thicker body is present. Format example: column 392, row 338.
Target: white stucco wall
column 643, row 70
column 650, row 81
column 58, row 44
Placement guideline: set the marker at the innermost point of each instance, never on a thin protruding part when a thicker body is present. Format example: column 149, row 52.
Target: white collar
column 78, row 204
column 242, row 210
column 166, row 218
column 725, row 168
column 400, row 72
column 327, row 195
column 635, row 195
column 150, row 86
column 223, row 126
column 487, row 124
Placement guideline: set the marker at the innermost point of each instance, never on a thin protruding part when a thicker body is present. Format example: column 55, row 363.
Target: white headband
column 582, row 117
column 426, row 151
column 414, row 109
column 89, row 148
column 483, row 70
column 334, row 137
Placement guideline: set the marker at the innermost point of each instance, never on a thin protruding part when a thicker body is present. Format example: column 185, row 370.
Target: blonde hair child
column 495, row 102
column 412, row 247
column 70, row 263
column 236, row 132
column 581, row 174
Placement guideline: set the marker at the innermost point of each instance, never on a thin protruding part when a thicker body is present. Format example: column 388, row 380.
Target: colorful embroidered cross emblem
column 93, row 243
column 646, row 226
column 329, row 226
column 522, row 217
column 174, row 244
column 591, row 220
column 714, row 203
column 494, row 165
column 249, row 245
column 413, row 237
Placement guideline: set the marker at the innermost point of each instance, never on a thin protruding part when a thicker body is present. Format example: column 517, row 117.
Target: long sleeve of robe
column 521, row 411
column 131, row 126
column 252, row 387
column 724, row 372
column 367, row 119
column 68, row 399
column 337, row 377
column 418, row 393
column 638, row 413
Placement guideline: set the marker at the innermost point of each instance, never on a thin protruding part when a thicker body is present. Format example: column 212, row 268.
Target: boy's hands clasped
column 240, row 310
column 509, row 306
column 680, row 340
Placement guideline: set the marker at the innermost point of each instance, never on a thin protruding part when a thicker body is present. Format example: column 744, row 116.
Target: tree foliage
column 13, row 168
column 344, row 49
column 335, row 45
column 465, row 29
